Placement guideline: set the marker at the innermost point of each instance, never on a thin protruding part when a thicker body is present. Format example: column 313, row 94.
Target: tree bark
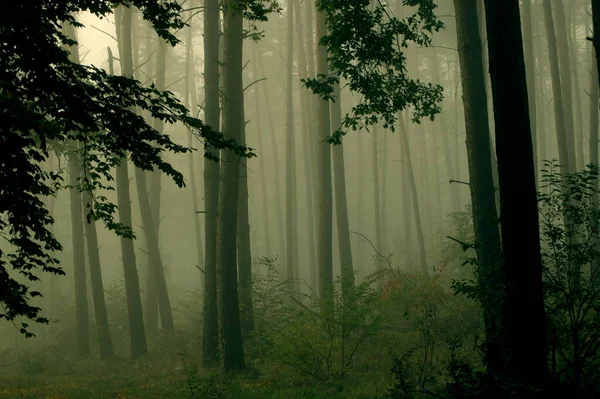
column 227, row 214
column 324, row 251
column 100, row 314
column 341, row 203
column 210, row 327
column 413, row 190
column 524, row 304
column 481, row 182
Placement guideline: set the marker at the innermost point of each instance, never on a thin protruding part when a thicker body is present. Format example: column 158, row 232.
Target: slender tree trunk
column 137, row 335
column 275, row 152
column 150, row 233
column 594, row 142
column 530, row 74
column 190, row 97
column 155, row 298
column 442, row 128
column 524, row 305
column 414, row 195
column 100, row 313
column 376, row 197
column 261, row 161
column 306, row 108
column 341, row 203
column 227, row 214
column 291, row 240
column 578, row 116
column 210, row 329
column 481, row 184
column 243, row 243
column 324, row 253
column 82, row 333
column 564, row 149
column 406, row 200
column 562, row 43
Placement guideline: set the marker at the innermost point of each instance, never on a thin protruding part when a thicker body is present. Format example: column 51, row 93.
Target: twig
column 460, row 182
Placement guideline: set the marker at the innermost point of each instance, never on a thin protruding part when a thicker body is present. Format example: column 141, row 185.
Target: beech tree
column 51, row 100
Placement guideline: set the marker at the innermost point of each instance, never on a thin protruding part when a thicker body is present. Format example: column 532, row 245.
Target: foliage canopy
column 48, row 101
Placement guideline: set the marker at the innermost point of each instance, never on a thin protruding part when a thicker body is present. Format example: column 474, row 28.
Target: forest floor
column 164, row 378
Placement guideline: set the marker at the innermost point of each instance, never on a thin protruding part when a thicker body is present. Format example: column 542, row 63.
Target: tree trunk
column 100, row 313
column 243, row 243
column 275, row 152
column 376, row 198
column 530, row 74
column 261, row 160
column 291, row 240
column 562, row 43
column 309, row 177
column 341, row 204
column 564, row 149
column 594, row 142
column 481, row 184
column 324, row 252
column 524, row 305
column 82, row 334
column 413, row 190
column 210, row 328
column 137, row 334
column 190, row 98
column 227, row 214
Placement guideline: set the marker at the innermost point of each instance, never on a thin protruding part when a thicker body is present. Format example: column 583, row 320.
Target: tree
column 212, row 111
column 227, row 210
column 524, row 302
column 51, row 100
column 481, row 182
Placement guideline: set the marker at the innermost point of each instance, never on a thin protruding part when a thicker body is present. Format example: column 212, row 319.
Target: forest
column 363, row 199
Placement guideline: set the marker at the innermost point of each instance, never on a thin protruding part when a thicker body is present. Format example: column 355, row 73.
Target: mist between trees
column 286, row 198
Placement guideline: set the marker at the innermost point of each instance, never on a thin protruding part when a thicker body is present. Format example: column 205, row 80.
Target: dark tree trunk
column 324, row 252
column 137, row 335
column 100, row 313
column 210, row 329
column 524, row 304
column 481, row 182
column 341, row 203
column 227, row 211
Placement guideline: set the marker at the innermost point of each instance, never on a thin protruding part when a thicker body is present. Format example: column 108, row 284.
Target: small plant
column 570, row 224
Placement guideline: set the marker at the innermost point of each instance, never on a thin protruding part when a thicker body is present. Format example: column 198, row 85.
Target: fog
column 389, row 212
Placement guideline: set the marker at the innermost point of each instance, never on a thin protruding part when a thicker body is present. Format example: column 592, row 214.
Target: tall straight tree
column 100, row 314
column 564, row 136
column 82, row 334
column 324, row 250
column 410, row 176
column 341, row 203
column 227, row 210
column 564, row 59
column 137, row 335
column 481, row 182
column 291, row 241
column 243, row 243
column 190, row 100
column 307, row 124
column 212, row 111
column 524, row 301
column 530, row 69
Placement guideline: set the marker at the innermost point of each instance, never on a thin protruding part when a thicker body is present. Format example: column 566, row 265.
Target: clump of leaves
column 365, row 44
column 570, row 225
column 46, row 100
